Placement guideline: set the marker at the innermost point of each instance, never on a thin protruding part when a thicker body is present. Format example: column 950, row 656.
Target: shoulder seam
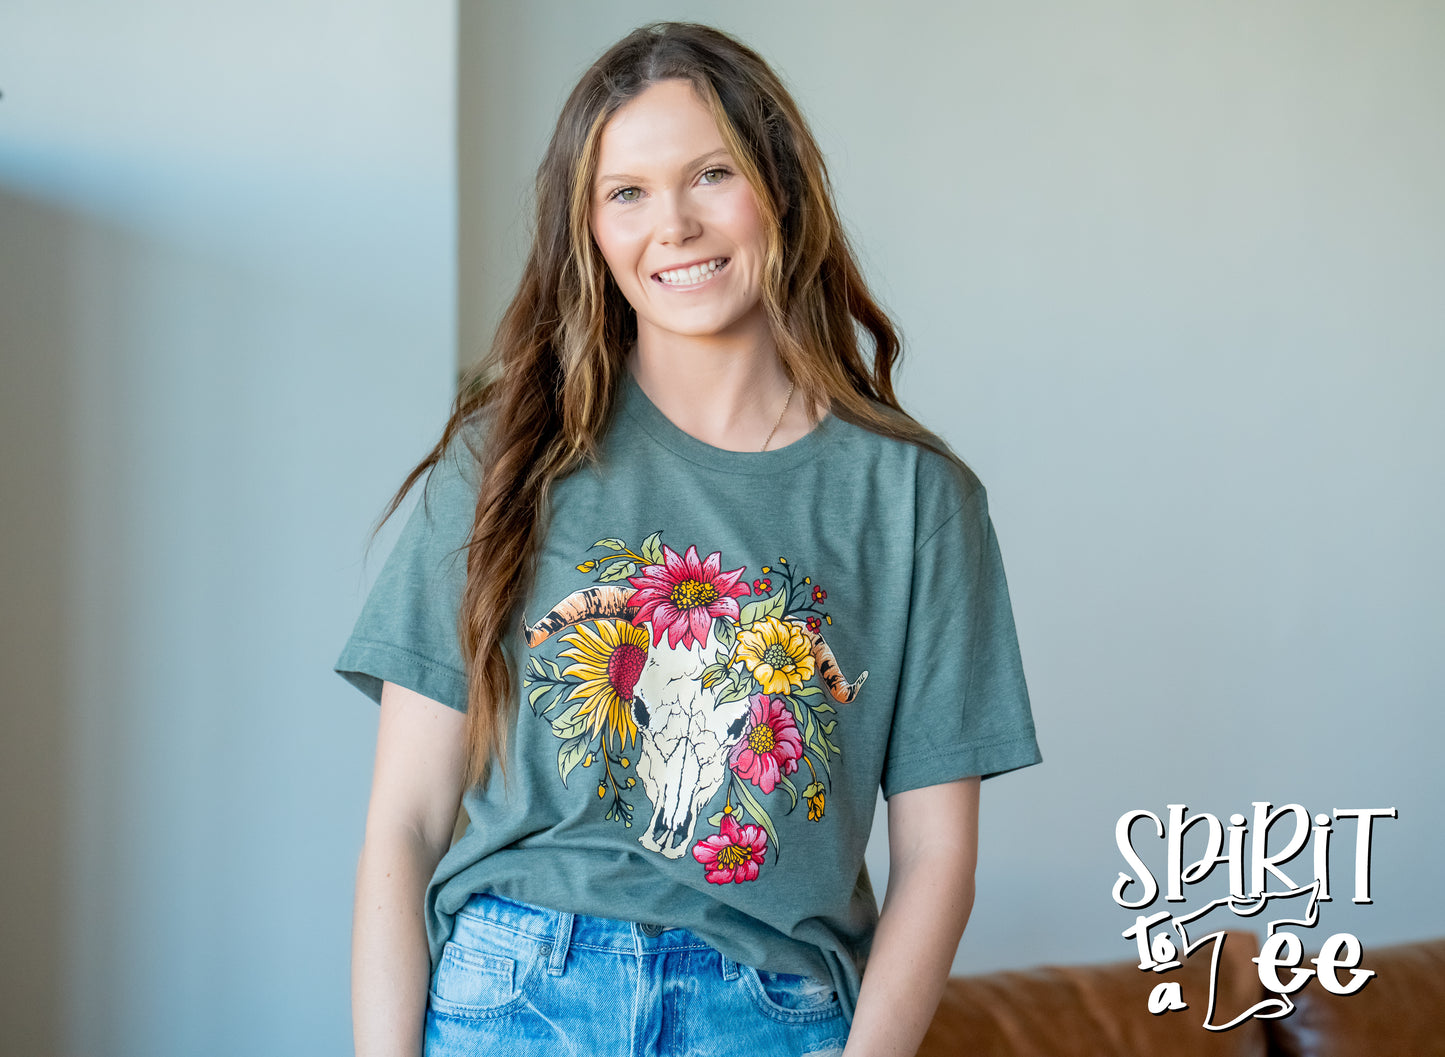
column 939, row 529
column 967, row 501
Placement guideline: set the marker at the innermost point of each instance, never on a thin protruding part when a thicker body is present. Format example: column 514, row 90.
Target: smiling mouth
column 693, row 275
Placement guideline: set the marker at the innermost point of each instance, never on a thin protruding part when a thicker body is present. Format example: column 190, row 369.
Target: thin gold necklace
column 780, row 416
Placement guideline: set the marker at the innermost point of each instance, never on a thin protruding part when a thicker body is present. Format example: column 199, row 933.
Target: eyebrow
column 609, row 177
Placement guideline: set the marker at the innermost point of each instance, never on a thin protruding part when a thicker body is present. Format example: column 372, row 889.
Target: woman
column 686, row 586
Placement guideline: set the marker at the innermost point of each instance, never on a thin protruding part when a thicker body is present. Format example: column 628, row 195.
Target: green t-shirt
column 724, row 655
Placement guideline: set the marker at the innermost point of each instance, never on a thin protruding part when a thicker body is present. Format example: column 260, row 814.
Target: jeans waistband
column 564, row 931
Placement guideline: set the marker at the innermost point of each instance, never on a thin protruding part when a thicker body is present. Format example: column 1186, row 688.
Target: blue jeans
column 520, row 980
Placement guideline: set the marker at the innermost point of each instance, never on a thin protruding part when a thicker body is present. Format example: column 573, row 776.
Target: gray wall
column 1170, row 278
column 227, row 307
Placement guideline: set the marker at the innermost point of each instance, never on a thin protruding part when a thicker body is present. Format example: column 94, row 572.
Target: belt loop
column 730, row 968
column 561, row 942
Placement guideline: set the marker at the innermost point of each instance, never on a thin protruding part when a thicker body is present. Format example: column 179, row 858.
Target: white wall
column 227, row 306
column 1170, row 278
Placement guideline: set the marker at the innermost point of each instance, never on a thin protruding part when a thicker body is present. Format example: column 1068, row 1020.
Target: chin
column 699, row 325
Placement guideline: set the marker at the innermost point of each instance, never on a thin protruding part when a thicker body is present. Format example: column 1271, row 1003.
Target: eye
column 625, row 194
column 715, row 175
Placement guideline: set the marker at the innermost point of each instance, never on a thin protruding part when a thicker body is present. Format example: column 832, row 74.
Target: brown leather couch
column 1102, row 1011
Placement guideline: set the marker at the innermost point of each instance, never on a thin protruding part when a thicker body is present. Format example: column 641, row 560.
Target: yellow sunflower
column 777, row 653
column 609, row 662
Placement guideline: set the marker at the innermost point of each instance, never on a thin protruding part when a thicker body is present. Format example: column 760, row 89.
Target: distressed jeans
column 520, row 980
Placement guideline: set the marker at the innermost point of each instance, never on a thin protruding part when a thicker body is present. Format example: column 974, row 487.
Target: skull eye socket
column 736, row 730
column 639, row 710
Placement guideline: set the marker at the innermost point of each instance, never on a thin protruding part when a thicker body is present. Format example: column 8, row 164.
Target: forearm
column 932, row 854
column 390, row 962
column 923, row 917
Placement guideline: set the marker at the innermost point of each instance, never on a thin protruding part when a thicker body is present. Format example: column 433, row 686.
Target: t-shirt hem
column 366, row 664
column 985, row 761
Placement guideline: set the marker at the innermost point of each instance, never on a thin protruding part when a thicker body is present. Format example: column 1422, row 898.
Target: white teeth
column 692, row 274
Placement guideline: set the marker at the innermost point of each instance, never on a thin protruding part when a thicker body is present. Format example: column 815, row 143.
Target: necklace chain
column 781, row 413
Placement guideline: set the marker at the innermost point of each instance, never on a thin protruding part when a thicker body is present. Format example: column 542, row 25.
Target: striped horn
column 827, row 665
column 589, row 603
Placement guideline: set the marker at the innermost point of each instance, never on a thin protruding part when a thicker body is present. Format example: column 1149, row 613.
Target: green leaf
column 538, row 692
column 807, row 691
column 570, row 724
column 761, row 608
column 787, row 783
column 712, row 675
column 616, row 570
column 652, row 549
column 715, row 820
column 612, row 544
column 813, row 741
column 572, row 752
column 822, row 762
column 725, row 633
column 736, row 692
column 556, row 672
column 758, row 813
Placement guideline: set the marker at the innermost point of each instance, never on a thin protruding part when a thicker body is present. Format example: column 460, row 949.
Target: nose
column 677, row 222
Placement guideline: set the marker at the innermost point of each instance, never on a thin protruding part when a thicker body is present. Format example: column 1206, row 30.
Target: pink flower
column 813, row 623
column 762, row 585
column 818, row 593
column 770, row 747
column 683, row 596
column 734, row 854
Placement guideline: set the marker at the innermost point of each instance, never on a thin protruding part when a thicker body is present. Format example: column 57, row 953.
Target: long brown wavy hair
column 545, row 388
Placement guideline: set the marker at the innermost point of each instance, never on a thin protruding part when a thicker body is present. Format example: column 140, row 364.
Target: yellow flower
column 609, row 661
column 777, row 653
column 816, row 800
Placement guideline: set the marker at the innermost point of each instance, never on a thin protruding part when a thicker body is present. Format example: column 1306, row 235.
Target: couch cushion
column 1400, row 1012
column 1097, row 1011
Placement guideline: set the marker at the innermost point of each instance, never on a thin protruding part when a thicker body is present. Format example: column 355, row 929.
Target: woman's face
column 676, row 221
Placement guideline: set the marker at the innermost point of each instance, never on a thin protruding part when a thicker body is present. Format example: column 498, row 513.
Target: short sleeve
column 407, row 631
column 963, row 707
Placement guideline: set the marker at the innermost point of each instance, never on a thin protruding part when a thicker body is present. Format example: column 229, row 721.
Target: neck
column 725, row 390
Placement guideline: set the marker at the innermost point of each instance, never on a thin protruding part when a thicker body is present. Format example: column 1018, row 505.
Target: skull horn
column 827, row 665
column 589, row 603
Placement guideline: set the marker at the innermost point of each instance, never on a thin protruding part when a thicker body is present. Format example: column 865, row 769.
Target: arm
column 932, row 851
column 415, row 791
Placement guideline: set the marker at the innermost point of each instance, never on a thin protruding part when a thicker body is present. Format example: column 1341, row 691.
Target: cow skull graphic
column 684, row 733
column 685, row 736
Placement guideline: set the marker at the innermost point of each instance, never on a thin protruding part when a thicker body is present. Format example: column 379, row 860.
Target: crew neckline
column 640, row 408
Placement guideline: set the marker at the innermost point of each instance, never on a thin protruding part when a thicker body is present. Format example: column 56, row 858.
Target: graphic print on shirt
column 674, row 678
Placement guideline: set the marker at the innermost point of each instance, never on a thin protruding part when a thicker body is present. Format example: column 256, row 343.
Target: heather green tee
column 724, row 654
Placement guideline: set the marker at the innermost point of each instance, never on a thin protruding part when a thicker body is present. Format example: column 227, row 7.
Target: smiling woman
column 680, row 230
column 672, row 860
